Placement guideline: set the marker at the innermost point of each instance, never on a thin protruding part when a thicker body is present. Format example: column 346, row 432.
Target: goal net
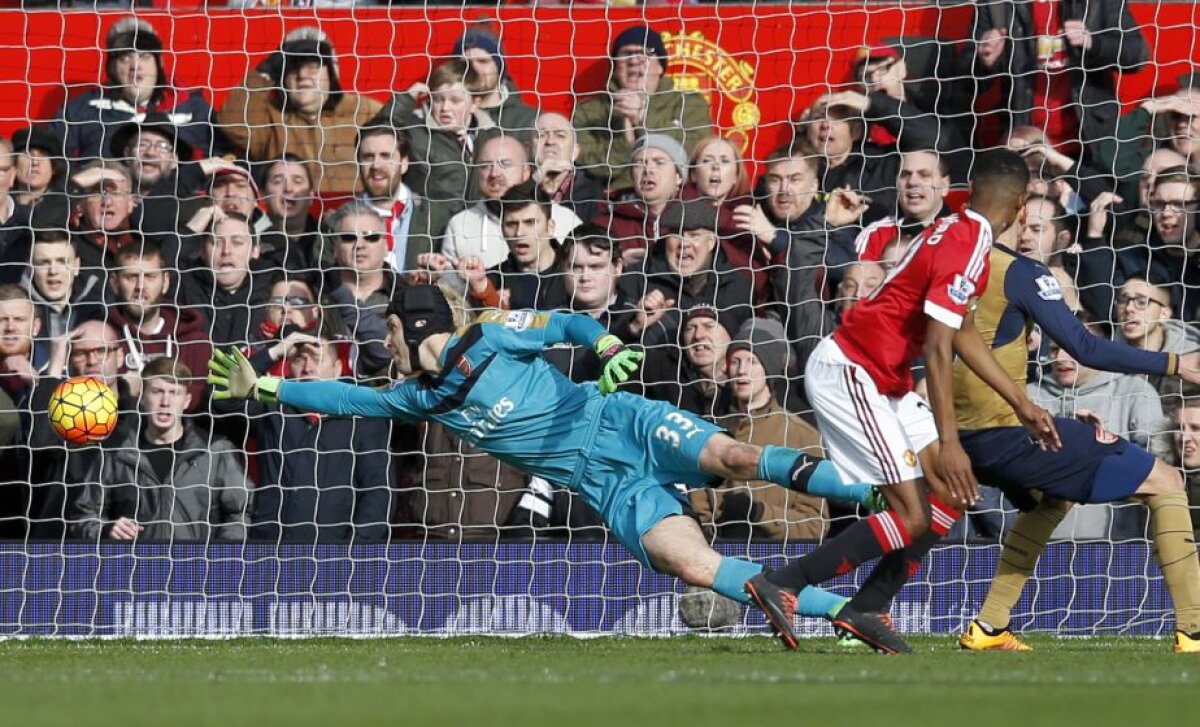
column 702, row 180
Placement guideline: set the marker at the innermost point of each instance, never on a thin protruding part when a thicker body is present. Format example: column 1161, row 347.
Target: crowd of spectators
column 140, row 228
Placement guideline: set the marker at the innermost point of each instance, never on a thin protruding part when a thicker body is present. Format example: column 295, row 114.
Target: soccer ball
column 83, row 409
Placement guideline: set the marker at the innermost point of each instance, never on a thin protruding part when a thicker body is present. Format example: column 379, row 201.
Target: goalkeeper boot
column 977, row 638
column 871, row 629
column 847, row 640
column 1186, row 643
column 779, row 606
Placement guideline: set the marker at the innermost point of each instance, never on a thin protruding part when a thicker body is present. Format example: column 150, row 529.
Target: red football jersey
column 875, row 238
column 941, row 270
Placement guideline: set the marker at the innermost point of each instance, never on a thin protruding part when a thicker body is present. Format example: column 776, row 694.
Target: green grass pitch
column 609, row 682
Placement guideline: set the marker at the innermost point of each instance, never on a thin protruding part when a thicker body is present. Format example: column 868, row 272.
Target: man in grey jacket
column 171, row 482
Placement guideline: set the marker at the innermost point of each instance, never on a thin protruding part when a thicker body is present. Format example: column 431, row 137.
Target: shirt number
column 683, row 427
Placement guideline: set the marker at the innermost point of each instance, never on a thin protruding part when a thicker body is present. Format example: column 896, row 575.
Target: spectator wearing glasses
column 360, row 283
column 1146, row 319
column 58, row 473
column 1170, row 253
column 639, row 101
column 501, row 163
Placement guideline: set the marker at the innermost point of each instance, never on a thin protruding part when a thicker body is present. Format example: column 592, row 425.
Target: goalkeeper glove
column 617, row 362
column 233, row 377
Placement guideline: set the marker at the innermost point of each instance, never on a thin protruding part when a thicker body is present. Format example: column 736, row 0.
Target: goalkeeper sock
column 870, row 538
column 731, row 578
column 795, row 470
column 1175, row 545
column 900, row 566
column 733, row 573
column 1022, row 547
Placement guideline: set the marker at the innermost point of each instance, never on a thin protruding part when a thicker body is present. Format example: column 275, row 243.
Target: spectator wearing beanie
column 136, row 84
column 632, row 218
column 755, row 366
column 495, row 93
column 639, row 100
column 293, row 102
column 690, row 375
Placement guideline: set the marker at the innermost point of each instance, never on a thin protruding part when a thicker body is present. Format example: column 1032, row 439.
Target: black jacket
column 323, row 478
column 233, row 316
column 1117, row 45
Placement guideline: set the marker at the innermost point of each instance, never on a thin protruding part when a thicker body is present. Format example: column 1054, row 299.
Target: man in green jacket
column 639, row 100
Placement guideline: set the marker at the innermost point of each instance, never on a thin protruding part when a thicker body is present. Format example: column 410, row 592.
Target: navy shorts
column 1093, row 465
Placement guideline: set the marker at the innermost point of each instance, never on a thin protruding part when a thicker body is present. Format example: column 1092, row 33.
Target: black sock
column 881, row 533
column 893, row 571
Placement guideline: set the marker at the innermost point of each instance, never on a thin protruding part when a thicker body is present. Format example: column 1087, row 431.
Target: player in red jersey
column 876, row 429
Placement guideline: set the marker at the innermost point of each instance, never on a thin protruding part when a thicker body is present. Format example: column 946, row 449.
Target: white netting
column 257, row 176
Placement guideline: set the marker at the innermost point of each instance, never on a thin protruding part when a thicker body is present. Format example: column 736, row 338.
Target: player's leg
column 1023, row 546
column 1175, row 545
column 727, row 458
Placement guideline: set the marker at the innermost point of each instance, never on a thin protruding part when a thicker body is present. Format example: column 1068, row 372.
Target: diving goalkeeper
column 489, row 384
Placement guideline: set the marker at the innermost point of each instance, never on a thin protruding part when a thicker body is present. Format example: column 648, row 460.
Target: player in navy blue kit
column 1093, row 465
column 489, row 383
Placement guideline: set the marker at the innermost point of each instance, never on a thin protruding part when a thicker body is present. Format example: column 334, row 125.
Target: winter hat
column 688, row 214
column 667, row 144
column 156, row 122
column 643, row 36
column 484, row 41
column 138, row 36
column 766, row 339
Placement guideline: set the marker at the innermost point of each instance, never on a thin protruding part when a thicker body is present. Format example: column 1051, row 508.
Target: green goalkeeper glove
column 617, row 361
column 233, row 377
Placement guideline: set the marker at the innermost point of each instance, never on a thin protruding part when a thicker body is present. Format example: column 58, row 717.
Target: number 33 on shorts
column 677, row 426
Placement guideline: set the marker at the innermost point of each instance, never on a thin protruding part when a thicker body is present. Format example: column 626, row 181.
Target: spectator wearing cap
column 737, row 509
column 632, row 217
column 529, row 277
column 691, row 374
column 493, row 89
column 162, row 171
column 293, row 102
column 811, row 234
column 555, row 154
column 1057, row 65
column 41, row 168
column 233, row 189
column 681, row 272
column 383, row 159
column 639, row 100
column 136, row 84
column 501, row 163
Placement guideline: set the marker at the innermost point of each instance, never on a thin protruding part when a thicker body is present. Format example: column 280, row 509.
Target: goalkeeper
column 489, row 384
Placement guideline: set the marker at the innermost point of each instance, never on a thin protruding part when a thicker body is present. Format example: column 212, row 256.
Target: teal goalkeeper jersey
column 496, row 391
